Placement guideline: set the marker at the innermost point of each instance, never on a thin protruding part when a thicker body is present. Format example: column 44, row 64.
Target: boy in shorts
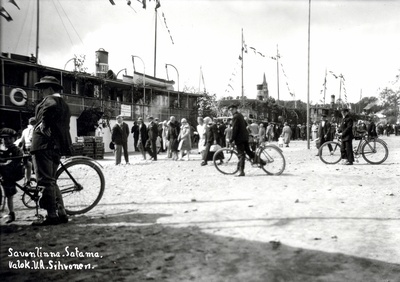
column 11, row 170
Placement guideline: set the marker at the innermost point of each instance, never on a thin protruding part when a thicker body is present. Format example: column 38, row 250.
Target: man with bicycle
column 346, row 132
column 50, row 140
column 240, row 135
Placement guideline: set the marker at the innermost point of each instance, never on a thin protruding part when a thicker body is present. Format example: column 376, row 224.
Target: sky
column 356, row 39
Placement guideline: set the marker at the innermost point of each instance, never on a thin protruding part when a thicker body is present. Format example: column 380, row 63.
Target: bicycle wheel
column 330, row 153
column 226, row 160
column 81, row 183
column 27, row 199
column 274, row 159
column 374, row 151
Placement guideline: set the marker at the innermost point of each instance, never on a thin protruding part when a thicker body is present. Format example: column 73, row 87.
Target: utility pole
column 308, row 76
column 242, row 72
column 277, row 69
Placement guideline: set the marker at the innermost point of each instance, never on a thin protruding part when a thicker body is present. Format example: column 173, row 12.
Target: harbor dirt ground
column 179, row 221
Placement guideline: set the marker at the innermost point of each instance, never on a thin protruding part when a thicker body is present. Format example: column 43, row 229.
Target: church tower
column 262, row 90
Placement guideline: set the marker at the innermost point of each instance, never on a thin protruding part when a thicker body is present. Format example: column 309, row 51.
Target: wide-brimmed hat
column 7, row 132
column 47, row 81
column 232, row 106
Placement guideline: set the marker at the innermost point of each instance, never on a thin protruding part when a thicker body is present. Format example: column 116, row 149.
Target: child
column 11, row 170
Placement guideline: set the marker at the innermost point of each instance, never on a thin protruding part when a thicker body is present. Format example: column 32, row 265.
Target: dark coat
column 346, row 128
column 372, row 129
column 152, row 131
column 240, row 133
column 324, row 131
column 53, row 112
column 142, row 131
column 120, row 133
column 135, row 131
column 173, row 131
column 211, row 134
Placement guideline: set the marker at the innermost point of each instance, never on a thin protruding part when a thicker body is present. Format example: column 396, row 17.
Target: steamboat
column 94, row 99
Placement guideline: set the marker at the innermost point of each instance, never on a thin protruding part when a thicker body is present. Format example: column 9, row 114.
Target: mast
column 277, row 69
column 155, row 43
column 37, row 31
column 325, row 87
column 242, row 72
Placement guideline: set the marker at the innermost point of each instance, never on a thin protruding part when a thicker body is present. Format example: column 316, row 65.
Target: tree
column 390, row 102
column 208, row 105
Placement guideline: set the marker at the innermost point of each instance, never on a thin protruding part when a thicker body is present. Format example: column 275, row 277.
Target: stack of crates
column 93, row 147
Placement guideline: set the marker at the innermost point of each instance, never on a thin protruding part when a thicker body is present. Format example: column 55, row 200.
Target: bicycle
column 269, row 157
column 81, row 182
column 373, row 151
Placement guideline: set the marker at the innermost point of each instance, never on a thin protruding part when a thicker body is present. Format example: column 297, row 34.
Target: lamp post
column 144, row 77
column 166, row 67
column 120, row 71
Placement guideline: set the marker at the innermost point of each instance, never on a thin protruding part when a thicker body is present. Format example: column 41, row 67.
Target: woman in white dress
column 201, row 131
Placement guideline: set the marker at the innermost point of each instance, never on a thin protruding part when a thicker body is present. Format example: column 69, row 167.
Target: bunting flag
column 287, row 84
column 5, row 14
column 143, row 4
column 333, row 74
column 158, row 5
column 14, row 3
column 112, row 2
column 166, row 26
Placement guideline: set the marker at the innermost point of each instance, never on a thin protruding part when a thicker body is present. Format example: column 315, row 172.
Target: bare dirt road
column 178, row 221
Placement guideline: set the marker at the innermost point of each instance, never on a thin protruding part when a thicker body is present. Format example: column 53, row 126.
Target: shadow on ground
column 154, row 252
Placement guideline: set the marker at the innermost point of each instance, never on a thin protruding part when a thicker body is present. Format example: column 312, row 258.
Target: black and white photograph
column 199, row 140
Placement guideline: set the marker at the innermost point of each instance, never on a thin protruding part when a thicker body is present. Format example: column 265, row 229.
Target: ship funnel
column 101, row 62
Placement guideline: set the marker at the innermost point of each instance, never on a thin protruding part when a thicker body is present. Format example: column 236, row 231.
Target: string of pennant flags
column 166, row 26
column 258, row 53
column 5, row 14
column 144, row 6
column 342, row 83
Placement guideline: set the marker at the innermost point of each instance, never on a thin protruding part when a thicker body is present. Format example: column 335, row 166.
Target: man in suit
column 211, row 138
column 240, row 135
column 119, row 136
column 324, row 132
column 152, row 132
column 135, row 134
column 50, row 140
column 142, row 137
column 346, row 131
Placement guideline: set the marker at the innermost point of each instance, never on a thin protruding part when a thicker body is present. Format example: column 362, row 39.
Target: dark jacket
column 173, row 131
column 324, row 131
column 53, row 112
column 152, row 131
column 142, row 133
column 239, row 130
column 372, row 129
column 120, row 133
column 135, row 131
column 211, row 134
column 346, row 128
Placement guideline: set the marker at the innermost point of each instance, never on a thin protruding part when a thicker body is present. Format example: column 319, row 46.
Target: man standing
column 135, row 134
column 152, row 132
column 119, row 136
column 240, row 136
column 346, row 130
column 324, row 132
column 50, row 140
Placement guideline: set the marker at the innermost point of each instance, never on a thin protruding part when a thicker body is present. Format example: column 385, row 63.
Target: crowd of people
column 47, row 138
column 178, row 138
